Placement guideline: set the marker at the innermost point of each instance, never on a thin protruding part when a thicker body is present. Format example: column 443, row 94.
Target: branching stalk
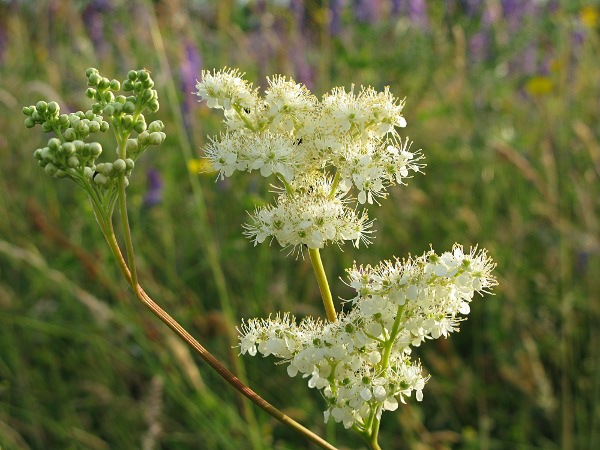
column 147, row 301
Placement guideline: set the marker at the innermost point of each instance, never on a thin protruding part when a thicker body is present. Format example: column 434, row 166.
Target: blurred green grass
column 513, row 159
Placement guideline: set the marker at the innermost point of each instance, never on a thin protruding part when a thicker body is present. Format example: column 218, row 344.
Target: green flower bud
column 41, row 106
column 46, row 154
column 70, row 134
column 115, row 85
column 89, row 115
column 140, row 126
column 132, row 75
column 83, row 129
column 109, row 110
column 68, row 148
column 129, row 108
column 137, row 86
column 104, row 84
column 38, row 154
column 35, row 115
column 148, row 84
column 131, row 146
column 27, row 110
column 155, row 138
column 108, row 97
column 156, row 125
column 121, row 99
column 118, row 107
column 153, row 105
column 79, row 114
column 79, row 146
column 95, row 149
column 104, row 126
column 53, row 108
column 127, row 86
column 73, row 161
column 119, row 166
column 88, row 172
column 130, row 164
column 143, row 138
column 51, row 169
column 94, row 127
column 125, row 182
column 107, row 168
column 90, row 71
column 127, row 121
column 148, row 95
column 46, row 127
column 90, row 92
column 94, row 79
column 100, row 179
column 63, row 120
column 143, row 75
column 29, row 122
column 97, row 108
column 54, row 144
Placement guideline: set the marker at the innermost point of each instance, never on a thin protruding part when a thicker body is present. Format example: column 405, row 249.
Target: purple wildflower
column 93, row 18
column 189, row 69
column 154, row 193
column 335, row 25
column 417, row 13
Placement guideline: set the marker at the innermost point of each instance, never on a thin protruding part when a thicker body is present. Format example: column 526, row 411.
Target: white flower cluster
column 345, row 140
column 309, row 215
column 361, row 363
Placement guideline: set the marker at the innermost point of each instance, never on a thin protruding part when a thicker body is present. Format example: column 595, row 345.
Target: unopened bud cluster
column 68, row 154
column 345, row 140
column 361, row 363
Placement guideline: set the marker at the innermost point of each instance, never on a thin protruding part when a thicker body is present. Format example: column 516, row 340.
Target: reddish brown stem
column 147, row 301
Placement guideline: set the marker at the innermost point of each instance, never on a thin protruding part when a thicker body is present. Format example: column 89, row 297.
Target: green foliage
column 513, row 163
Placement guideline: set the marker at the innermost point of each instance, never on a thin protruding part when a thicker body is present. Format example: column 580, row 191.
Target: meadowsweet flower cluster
column 324, row 151
column 361, row 362
column 318, row 149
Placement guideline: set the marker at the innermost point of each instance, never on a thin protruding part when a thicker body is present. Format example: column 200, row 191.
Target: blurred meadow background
column 503, row 96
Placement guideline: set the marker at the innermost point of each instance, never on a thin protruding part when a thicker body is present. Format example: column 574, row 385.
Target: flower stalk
column 317, row 264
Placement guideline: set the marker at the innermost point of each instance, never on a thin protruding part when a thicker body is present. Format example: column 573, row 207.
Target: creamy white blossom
column 288, row 132
column 289, row 106
column 225, row 89
column 361, row 363
column 309, row 215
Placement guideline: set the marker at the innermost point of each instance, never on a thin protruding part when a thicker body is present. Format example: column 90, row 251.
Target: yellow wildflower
column 589, row 16
column 539, row 85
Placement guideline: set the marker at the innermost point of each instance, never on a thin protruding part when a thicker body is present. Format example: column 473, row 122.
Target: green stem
column 288, row 187
column 375, row 434
column 315, row 259
column 372, row 425
column 240, row 114
column 126, row 230
column 334, row 184
column 385, row 359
